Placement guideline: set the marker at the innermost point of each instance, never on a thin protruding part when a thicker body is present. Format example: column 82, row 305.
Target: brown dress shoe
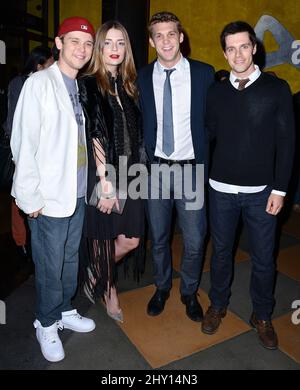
column 212, row 320
column 266, row 333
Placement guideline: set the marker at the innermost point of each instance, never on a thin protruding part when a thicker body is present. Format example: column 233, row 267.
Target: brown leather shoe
column 266, row 333
column 212, row 320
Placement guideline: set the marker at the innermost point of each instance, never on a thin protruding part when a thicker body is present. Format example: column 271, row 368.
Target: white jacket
column 44, row 145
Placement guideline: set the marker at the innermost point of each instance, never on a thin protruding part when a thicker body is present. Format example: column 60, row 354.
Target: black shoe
column 157, row 303
column 193, row 309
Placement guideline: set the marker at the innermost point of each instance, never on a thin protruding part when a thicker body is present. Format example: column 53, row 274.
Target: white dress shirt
column 181, row 104
column 231, row 188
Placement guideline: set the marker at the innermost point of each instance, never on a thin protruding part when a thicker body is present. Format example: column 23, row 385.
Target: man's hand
column 275, row 204
column 35, row 214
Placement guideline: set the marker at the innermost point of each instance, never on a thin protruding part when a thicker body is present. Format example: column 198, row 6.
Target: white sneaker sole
column 51, row 358
column 79, row 330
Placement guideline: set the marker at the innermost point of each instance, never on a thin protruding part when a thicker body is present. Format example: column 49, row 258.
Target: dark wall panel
column 133, row 14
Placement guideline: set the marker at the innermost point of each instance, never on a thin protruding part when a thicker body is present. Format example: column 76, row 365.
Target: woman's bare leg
column 124, row 245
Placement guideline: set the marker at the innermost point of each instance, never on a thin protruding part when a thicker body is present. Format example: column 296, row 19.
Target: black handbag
column 7, row 165
column 120, row 195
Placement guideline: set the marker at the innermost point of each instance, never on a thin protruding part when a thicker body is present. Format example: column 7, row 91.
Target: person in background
column 49, row 184
column 113, row 130
column 222, row 75
column 39, row 58
column 250, row 117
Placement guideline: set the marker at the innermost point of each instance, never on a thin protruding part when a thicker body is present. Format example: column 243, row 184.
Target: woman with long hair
column 113, row 129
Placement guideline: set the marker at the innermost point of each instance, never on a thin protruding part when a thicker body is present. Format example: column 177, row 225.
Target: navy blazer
column 202, row 76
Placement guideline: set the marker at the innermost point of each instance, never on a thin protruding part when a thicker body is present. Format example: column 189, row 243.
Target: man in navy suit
column 178, row 108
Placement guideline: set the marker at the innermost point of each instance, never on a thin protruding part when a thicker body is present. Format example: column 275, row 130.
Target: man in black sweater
column 250, row 116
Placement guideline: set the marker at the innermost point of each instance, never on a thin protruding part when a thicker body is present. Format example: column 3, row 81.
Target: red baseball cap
column 76, row 23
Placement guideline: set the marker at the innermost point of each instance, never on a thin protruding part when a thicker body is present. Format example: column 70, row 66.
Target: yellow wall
column 32, row 9
column 203, row 21
column 90, row 9
column 51, row 31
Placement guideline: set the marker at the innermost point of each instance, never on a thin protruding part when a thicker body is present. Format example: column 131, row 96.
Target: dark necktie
column 242, row 83
column 168, row 130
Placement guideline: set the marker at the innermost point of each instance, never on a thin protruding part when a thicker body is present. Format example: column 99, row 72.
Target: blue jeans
column 193, row 227
column 55, row 243
column 225, row 210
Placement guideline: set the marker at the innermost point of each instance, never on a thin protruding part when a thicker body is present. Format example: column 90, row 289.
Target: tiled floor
column 171, row 335
column 170, row 341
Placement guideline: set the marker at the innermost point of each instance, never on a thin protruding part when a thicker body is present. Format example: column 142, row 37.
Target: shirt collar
column 252, row 77
column 180, row 65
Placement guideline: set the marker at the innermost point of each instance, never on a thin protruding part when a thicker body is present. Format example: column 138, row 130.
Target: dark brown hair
column 237, row 27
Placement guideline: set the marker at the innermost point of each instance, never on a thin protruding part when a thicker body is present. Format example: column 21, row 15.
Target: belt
column 161, row 160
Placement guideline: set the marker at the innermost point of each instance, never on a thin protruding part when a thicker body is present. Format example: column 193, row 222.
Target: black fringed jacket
column 104, row 123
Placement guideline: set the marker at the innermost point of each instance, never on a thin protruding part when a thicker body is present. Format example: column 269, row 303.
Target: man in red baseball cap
column 75, row 43
column 49, row 151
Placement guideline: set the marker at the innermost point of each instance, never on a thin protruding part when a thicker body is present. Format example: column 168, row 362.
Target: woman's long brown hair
column 126, row 69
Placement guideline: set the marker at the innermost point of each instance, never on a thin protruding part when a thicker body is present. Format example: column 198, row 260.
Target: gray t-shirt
column 81, row 160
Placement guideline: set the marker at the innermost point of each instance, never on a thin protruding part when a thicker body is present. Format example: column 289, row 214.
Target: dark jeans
column 193, row 226
column 225, row 210
column 55, row 243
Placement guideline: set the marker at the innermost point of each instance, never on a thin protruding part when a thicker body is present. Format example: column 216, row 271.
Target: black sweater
column 254, row 132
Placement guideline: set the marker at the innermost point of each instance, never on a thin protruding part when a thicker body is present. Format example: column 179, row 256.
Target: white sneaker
column 50, row 343
column 74, row 321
